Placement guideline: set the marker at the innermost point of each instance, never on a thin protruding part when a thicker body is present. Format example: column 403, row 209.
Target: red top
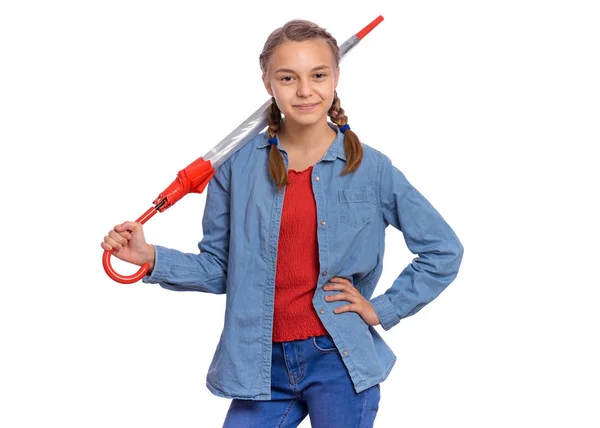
column 297, row 273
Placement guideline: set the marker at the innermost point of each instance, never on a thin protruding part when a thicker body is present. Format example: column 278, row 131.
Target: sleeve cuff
column 385, row 311
column 162, row 266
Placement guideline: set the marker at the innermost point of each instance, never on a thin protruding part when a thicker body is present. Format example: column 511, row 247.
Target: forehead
column 300, row 55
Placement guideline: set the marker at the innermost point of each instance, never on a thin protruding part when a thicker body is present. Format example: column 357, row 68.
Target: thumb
column 128, row 225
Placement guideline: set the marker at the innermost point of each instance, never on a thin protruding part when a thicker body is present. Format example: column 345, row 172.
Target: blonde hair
column 299, row 30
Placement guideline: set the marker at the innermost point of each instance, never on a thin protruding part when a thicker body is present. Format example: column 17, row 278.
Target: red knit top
column 297, row 263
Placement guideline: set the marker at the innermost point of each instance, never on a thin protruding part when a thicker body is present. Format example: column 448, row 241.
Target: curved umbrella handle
column 122, row 278
column 143, row 270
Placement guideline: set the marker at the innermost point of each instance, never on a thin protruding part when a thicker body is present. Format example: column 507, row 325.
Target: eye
column 286, row 79
column 320, row 75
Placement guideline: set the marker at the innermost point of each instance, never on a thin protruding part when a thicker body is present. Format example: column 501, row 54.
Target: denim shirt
column 238, row 254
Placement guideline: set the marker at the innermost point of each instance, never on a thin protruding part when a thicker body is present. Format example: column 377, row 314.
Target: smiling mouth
column 306, row 106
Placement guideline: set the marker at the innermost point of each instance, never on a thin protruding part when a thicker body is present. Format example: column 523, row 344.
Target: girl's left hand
column 358, row 303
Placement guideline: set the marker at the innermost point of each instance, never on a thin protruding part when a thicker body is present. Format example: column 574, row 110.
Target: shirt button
column 317, row 178
column 345, row 352
column 324, row 273
column 323, row 223
column 321, row 311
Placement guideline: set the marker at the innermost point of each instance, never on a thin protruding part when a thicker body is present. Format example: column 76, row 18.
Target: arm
column 206, row 271
column 427, row 234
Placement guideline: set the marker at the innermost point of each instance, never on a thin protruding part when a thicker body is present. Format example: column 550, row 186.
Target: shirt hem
column 217, row 392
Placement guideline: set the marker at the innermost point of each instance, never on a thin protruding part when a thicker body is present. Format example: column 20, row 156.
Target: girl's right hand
column 128, row 242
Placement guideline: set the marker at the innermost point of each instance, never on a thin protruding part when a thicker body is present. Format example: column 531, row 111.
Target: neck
column 306, row 138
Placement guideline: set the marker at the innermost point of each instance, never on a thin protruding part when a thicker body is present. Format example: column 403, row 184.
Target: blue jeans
column 308, row 377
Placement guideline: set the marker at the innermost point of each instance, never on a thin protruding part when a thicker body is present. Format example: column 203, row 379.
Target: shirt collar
column 336, row 149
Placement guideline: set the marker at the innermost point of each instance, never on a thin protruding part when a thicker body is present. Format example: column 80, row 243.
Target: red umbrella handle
column 193, row 178
column 123, row 279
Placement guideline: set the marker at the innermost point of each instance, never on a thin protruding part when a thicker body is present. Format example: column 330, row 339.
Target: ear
column 336, row 77
column 267, row 84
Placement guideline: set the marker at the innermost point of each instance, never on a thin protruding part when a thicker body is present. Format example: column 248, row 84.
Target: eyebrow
column 289, row 70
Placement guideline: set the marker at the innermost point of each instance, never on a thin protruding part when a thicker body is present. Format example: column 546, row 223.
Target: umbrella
column 194, row 177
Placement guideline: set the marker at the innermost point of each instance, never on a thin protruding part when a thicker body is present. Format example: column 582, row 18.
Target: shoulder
column 376, row 158
column 247, row 151
column 387, row 175
column 372, row 152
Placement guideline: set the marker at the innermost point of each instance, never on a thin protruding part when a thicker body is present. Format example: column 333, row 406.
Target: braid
column 352, row 145
column 336, row 112
column 276, row 162
column 274, row 119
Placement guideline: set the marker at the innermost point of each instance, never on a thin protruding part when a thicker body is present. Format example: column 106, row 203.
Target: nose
column 304, row 89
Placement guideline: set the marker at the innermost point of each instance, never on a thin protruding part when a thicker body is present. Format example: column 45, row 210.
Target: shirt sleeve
column 206, row 271
column 426, row 234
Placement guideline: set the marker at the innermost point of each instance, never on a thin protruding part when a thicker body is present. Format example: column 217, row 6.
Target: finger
column 117, row 237
column 334, row 285
column 348, row 297
column 126, row 234
column 340, row 280
column 337, row 296
column 329, row 298
column 341, row 309
column 105, row 246
column 342, row 286
column 112, row 243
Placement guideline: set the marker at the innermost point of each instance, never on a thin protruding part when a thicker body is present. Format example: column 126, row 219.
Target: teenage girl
column 294, row 227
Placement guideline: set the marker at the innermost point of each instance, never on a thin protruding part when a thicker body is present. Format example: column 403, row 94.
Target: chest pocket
column 355, row 206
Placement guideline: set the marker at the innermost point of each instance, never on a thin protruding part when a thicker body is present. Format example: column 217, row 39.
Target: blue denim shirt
column 238, row 255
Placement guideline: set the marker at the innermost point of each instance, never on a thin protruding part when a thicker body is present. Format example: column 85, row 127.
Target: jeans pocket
column 324, row 344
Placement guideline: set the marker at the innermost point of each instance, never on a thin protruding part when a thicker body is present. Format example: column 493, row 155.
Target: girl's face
column 302, row 77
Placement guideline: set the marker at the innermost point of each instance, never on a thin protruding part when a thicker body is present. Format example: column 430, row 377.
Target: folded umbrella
column 194, row 177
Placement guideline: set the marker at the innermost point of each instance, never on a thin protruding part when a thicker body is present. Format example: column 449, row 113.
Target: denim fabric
column 308, row 377
column 238, row 254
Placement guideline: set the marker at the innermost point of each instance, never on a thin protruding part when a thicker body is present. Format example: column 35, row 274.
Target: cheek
column 326, row 90
column 283, row 96
column 327, row 96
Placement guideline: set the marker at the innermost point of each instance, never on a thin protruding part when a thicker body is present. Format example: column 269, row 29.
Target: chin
column 305, row 121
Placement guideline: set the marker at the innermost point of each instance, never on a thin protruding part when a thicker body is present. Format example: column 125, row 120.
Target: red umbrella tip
column 362, row 33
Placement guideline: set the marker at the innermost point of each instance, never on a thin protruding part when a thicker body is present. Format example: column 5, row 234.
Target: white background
column 489, row 108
